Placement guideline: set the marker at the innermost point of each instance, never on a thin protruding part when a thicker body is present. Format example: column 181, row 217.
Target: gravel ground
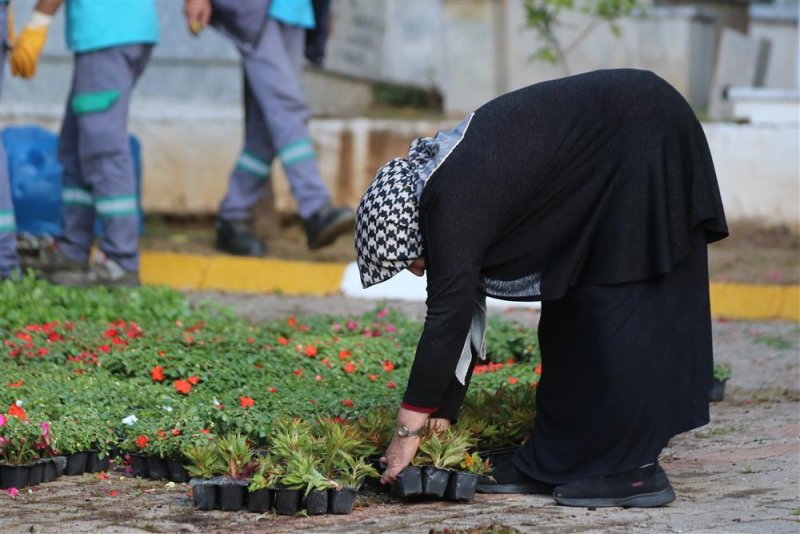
column 740, row 473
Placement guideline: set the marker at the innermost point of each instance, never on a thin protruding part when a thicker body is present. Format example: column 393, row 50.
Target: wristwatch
column 402, row 431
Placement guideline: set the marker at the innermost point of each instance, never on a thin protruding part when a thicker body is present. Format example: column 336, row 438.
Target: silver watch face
column 403, row 431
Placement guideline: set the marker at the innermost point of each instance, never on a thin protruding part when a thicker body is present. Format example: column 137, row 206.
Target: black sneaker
column 237, row 238
column 509, row 479
column 643, row 487
column 328, row 223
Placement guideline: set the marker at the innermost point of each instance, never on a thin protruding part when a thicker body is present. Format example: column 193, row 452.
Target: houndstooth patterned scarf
column 388, row 238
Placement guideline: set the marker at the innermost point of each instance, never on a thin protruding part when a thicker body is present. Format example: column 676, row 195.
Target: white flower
column 130, row 420
column 216, row 402
column 167, row 408
column 19, row 403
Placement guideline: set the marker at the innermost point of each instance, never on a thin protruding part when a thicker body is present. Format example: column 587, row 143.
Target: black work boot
column 328, row 223
column 237, row 238
column 509, row 479
column 103, row 272
column 643, row 487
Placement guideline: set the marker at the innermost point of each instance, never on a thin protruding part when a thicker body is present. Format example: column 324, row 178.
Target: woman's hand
column 402, row 449
column 399, row 454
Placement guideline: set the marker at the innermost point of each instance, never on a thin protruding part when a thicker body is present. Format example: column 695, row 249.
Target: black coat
column 594, row 179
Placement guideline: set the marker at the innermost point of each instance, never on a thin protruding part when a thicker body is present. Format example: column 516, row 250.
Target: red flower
column 250, row 340
column 327, row 362
column 246, row 402
column 182, row 386
column 113, row 493
column 512, row 380
column 349, row 367
column 273, row 389
column 388, row 366
column 344, row 354
column 205, row 431
column 347, row 403
column 17, row 411
column 283, row 341
column 176, row 432
column 298, row 372
column 312, row 401
column 157, row 373
column 43, row 351
column 391, row 385
column 291, row 321
column 104, row 348
column 373, row 377
column 17, row 384
column 538, row 369
column 311, row 351
column 141, row 441
column 193, row 380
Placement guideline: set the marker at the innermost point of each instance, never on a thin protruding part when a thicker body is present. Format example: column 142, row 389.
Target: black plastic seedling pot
column 434, row 481
column 258, row 501
column 409, row 482
column 204, row 494
column 717, row 392
column 231, row 495
column 95, row 464
column 317, row 502
column 49, row 470
column 156, row 468
column 35, row 473
column 287, row 501
column 177, row 473
column 76, row 464
column 13, row 476
column 461, row 486
column 138, row 465
column 341, row 501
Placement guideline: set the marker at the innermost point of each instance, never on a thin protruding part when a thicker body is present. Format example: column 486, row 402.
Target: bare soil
column 752, row 254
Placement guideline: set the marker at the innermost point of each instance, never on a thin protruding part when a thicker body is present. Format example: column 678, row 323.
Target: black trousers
column 624, row 368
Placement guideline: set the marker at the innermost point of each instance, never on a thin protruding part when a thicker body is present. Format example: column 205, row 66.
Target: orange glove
column 27, row 49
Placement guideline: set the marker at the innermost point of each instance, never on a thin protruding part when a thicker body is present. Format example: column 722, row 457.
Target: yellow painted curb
column 258, row 275
column 750, row 301
column 229, row 273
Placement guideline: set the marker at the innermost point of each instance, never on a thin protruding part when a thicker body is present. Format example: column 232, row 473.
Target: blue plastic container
column 35, row 176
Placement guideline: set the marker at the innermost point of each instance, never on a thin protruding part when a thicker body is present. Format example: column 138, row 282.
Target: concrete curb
column 252, row 275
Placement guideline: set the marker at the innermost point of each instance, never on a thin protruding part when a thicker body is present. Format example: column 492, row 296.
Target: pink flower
column 2, row 419
column 390, row 328
column 352, row 325
column 383, row 313
column 336, row 327
column 45, row 429
column 13, row 492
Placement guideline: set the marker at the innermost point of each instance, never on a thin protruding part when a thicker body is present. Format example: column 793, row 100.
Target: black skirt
column 624, row 368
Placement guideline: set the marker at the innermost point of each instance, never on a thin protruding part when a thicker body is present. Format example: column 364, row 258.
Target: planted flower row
column 144, row 372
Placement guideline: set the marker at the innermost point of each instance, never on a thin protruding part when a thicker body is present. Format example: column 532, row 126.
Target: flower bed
column 144, row 371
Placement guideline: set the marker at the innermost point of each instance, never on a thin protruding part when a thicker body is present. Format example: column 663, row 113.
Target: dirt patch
column 753, row 254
